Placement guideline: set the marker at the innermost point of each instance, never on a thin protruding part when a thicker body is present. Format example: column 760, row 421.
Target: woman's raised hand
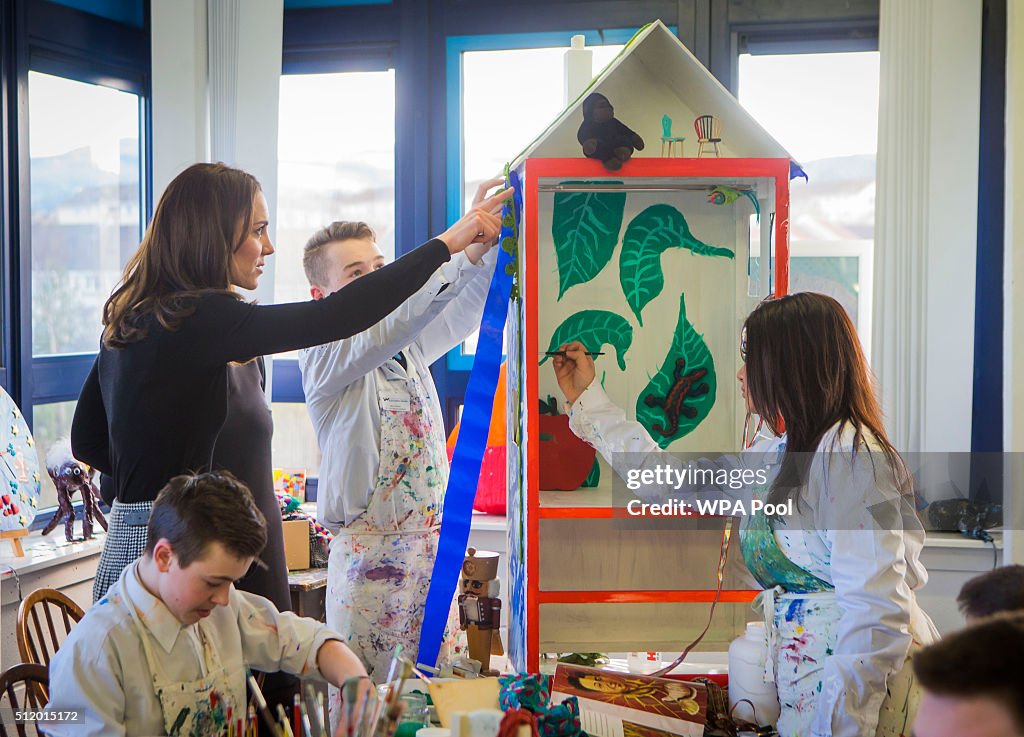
column 481, row 224
column 476, row 250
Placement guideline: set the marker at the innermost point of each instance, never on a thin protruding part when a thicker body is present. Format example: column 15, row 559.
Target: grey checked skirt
column 126, row 539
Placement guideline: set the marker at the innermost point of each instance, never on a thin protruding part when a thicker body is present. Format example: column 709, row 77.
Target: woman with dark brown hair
column 840, row 572
column 177, row 385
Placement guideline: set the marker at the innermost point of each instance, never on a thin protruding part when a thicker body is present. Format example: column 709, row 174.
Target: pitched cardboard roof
column 653, row 75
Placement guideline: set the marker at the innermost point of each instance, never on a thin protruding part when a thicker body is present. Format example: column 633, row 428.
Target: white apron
column 379, row 568
column 195, row 708
column 802, row 634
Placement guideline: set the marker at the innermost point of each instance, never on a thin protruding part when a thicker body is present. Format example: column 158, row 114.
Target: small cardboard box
column 296, row 543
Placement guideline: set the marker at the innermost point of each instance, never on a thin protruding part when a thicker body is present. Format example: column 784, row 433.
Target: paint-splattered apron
column 801, row 619
column 192, row 708
column 380, row 565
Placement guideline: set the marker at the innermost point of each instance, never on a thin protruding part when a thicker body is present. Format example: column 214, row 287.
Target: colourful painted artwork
column 652, row 232
column 585, row 228
column 19, row 469
column 595, row 329
column 681, row 395
column 659, row 703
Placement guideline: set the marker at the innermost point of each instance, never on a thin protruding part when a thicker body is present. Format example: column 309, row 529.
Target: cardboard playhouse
column 655, row 265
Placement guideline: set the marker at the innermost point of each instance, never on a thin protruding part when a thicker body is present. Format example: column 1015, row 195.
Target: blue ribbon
column 469, row 449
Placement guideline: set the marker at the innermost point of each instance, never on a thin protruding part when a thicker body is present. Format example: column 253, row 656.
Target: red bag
column 490, row 490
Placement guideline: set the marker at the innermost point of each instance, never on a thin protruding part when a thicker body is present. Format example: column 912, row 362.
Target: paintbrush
column 283, row 717
column 369, row 710
column 262, row 704
column 395, row 705
column 349, row 695
column 418, row 673
column 562, row 353
column 313, row 698
column 307, row 730
column 358, row 718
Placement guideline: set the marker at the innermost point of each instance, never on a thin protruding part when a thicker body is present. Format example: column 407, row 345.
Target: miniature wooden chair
column 25, row 686
column 668, row 138
column 709, row 130
column 60, row 613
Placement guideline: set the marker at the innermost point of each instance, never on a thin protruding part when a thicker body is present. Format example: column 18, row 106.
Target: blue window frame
column 63, row 41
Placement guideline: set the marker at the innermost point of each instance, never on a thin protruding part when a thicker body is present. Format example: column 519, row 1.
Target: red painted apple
column 565, row 460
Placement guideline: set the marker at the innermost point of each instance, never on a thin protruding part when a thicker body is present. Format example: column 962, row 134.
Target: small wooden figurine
column 479, row 605
column 70, row 475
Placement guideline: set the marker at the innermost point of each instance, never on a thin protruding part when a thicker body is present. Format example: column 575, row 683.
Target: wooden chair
column 25, row 686
column 667, row 139
column 709, row 130
column 52, row 608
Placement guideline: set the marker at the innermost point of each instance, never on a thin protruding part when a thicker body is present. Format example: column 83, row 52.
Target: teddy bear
column 603, row 137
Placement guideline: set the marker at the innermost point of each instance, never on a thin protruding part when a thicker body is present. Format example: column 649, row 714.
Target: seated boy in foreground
column 165, row 651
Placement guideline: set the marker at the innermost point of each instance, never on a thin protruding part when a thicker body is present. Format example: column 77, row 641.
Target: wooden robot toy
column 479, row 605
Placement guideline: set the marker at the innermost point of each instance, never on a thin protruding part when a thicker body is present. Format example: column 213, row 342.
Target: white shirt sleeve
column 866, row 524
column 90, row 683
column 625, row 444
column 273, row 640
column 327, row 369
column 461, row 316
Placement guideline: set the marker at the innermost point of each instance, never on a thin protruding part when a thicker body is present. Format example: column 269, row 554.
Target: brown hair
column 806, row 373
column 313, row 261
column 194, row 510
column 982, row 661
column 185, row 252
column 998, row 590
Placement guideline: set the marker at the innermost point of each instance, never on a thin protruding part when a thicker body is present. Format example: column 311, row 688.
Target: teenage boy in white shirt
column 166, row 650
column 379, row 425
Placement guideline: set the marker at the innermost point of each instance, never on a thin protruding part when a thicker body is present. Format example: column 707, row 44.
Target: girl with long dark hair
column 840, row 574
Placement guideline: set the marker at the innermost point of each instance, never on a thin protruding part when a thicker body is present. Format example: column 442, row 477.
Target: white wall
column 216, row 83
column 180, row 112
column 926, row 244
column 954, row 120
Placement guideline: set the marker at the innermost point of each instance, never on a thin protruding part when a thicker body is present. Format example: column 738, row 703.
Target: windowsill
column 43, row 552
column 956, row 540
column 488, row 522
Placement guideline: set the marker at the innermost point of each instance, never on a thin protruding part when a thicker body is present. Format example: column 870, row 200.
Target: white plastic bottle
column 747, row 657
column 644, row 663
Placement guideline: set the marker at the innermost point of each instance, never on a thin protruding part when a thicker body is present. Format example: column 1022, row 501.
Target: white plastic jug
column 747, row 657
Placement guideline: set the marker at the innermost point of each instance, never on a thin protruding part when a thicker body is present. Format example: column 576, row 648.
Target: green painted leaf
column 594, row 477
column 688, row 354
column 648, row 235
column 594, row 329
column 585, row 227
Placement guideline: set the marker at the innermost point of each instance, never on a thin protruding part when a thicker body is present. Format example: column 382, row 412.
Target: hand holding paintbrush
column 574, row 370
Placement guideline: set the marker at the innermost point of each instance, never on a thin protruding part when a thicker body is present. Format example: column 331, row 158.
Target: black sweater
column 154, row 409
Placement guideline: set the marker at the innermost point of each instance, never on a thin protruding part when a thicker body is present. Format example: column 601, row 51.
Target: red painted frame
column 533, row 171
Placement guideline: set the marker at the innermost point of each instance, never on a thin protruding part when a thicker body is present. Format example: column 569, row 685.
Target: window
column 85, row 206
column 336, row 161
column 831, row 129
column 86, row 215
column 490, row 140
